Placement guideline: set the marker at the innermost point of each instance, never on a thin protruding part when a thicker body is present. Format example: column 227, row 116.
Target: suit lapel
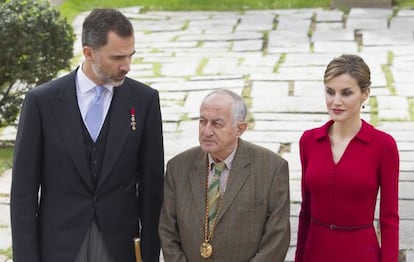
column 239, row 173
column 119, row 128
column 197, row 176
column 68, row 118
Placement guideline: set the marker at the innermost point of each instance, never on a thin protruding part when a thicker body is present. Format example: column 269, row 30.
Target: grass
column 71, row 8
column 6, row 252
column 200, row 67
column 388, row 76
column 373, row 103
column 411, row 103
column 6, row 158
column 404, row 3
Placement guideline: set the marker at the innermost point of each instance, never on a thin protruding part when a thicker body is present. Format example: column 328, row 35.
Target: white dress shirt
column 224, row 176
column 85, row 92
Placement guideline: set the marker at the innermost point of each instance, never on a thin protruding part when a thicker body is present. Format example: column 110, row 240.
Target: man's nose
column 208, row 130
column 126, row 64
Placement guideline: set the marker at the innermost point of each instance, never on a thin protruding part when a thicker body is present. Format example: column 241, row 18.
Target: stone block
column 406, row 233
column 410, row 256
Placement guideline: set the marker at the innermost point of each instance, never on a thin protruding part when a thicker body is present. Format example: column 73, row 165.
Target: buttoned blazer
column 53, row 198
column 253, row 220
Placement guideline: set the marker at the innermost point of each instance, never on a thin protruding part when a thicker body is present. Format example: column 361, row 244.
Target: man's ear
column 241, row 127
column 87, row 52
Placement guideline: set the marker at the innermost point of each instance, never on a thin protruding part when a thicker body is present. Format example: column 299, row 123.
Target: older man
column 227, row 199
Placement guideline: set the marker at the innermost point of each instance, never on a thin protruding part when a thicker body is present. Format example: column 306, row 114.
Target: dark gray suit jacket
column 50, row 157
column 253, row 224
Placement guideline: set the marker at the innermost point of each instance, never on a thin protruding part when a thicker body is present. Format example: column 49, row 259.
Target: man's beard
column 104, row 77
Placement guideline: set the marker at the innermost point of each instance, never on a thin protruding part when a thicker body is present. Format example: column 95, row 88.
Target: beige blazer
column 253, row 223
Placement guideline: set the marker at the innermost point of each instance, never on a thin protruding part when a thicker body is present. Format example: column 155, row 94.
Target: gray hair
column 239, row 106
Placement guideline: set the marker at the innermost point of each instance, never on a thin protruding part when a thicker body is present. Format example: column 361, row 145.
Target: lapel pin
column 133, row 120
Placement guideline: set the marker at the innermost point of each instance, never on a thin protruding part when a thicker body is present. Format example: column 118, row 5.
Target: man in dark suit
column 247, row 217
column 80, row 196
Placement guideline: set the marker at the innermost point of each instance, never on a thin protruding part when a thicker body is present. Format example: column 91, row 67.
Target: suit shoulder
column 51, row 88
column 140, row 87
column 53, row 85
column 260, row 152
column 187, row 156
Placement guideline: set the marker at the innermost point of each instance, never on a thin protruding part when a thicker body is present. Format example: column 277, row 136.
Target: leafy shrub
column 36, row 42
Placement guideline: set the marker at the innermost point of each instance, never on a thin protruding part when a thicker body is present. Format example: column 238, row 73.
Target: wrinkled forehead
column 216, row 107
column 218, row 100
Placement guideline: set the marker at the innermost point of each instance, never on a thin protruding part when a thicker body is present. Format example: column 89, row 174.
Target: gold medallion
column 206, row 250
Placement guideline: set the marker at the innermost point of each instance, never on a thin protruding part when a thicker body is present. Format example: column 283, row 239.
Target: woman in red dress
column 346, row 163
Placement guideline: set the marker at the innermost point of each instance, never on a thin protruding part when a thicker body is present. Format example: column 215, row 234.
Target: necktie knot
column 219, row 167
column 98, row 92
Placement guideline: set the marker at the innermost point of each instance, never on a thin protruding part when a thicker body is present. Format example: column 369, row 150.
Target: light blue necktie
column 94, row 115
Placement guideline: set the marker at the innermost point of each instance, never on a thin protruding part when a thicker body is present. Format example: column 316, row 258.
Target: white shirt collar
column 228, row 161
column 85, row 84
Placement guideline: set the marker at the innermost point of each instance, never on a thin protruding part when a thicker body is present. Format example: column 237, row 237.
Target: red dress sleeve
column 304, row 215
column 389, row 218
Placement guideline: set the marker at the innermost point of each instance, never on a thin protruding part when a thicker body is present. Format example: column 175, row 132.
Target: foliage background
column 36, row 43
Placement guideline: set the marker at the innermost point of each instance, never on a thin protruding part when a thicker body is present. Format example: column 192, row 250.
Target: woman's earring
column 363, row 105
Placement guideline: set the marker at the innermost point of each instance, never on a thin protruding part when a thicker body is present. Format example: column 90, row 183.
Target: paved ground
column 276, row 59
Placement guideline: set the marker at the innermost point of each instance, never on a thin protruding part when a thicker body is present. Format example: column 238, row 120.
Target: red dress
column 338, row 200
